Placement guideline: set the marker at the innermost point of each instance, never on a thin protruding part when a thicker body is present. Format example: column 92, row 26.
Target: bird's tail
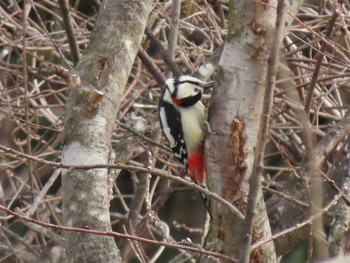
column 205, row 199
column 196, row 168
column 196, row 165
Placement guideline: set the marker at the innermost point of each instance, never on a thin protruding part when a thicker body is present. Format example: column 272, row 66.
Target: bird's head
column 185, row 91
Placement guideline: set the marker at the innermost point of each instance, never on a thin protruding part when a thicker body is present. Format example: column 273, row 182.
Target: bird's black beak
column 208, row 85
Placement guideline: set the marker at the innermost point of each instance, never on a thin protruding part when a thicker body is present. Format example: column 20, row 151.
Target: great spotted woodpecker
column 182, row 118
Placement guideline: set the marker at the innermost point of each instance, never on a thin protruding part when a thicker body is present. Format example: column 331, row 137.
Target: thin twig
column 162, row 146
column 26, row 10
column 19, row 239
column 58, row 239
column 291, row 199
column 43, row 192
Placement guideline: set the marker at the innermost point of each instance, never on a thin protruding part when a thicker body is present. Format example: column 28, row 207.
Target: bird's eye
column 196, row 90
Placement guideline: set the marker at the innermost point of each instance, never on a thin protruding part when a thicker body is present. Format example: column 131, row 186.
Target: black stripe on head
column 198, row 83
column 166, row 88
column 176, row 88
column 178, row 82
column 190, row 101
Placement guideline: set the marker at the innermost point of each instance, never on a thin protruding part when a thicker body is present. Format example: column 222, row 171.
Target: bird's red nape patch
column 176, row 101
column 196, row 165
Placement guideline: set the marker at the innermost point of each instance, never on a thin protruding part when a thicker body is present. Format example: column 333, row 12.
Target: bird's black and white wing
column 170, row 121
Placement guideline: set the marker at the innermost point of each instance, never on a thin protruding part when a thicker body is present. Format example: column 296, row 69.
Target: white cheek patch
column 166, row 128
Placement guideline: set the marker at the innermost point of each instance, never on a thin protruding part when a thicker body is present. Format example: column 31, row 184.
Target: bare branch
column 67, row 20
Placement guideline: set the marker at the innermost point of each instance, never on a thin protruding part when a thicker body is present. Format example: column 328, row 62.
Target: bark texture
column 90, row 114
column 234, row 117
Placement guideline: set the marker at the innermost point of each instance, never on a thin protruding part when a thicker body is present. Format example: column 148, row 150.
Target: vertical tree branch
column 319, row 243
column 255, row 178
column 68, row 25
column 174, row 28
column 26, row 10
column 318, row 249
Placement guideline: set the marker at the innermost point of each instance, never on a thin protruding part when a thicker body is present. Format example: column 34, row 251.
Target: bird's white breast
column 192, row 119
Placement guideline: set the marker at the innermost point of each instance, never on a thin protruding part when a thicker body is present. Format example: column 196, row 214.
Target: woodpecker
column 182, row 119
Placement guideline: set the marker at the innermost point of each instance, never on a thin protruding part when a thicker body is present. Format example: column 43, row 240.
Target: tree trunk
column 90, row 113
column 234, row 117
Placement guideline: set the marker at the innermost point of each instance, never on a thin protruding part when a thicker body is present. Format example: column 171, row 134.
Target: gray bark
column 90, row 113
column 234, row 117
column 235, row 112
